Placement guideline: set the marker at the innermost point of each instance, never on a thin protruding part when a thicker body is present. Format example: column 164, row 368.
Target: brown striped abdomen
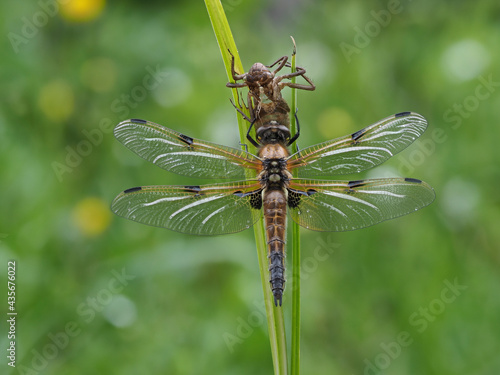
column 274, row 203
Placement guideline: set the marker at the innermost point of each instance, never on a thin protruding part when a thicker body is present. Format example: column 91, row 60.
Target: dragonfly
column 264, row 99
column 233, row 206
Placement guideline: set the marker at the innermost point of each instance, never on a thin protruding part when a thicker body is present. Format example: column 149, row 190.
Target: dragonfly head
column 273, row 133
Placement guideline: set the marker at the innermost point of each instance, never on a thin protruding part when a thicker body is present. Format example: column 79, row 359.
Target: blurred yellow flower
column 56, row 100
column 91, row 216
column 82, row 10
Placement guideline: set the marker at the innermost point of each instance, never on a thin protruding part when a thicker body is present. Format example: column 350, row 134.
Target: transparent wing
column 364, row 149
column 341, row 206
column 181, row 154
column 204, row 210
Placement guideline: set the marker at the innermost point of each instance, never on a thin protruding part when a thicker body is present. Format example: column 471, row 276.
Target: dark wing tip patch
column 138, row 120
column 402, row 114
column 415, row 180
column 186, row 139
column 131, row 190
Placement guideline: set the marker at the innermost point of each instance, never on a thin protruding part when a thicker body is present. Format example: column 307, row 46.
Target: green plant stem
column 295, row 349
column 274, row 314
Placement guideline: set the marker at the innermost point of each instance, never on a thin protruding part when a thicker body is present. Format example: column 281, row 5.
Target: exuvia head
column 273, row 132
column 259, row 74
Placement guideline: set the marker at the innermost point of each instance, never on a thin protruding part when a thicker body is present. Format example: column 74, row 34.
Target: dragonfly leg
column 236, row 76
column 240, row 111
column 296, row 135
column 244, row 145
column 235, row 85
column 298, row 149
column 249, row 137
column 300, row 72
column 282, row 61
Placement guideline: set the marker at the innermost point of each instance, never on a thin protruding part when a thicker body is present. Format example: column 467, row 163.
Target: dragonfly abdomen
column 275, row 218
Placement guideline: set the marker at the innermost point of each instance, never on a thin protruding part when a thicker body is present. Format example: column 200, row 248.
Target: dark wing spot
column 138, row 120
column 311, row 192
column 186, row 139
column 402, row 114
column 294, row 197
column 415, row 180
column 356, row 183
column 256, row 200
column 131, row 190
column 358, row 134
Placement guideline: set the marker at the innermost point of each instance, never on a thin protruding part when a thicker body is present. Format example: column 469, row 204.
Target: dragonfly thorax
column 275, row 166
column 275, row 173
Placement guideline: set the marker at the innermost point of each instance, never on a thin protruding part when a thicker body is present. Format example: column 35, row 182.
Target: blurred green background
column 100, row 294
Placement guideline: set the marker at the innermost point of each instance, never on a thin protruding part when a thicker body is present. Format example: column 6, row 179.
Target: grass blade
column 274, row 314
column 295, row 348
